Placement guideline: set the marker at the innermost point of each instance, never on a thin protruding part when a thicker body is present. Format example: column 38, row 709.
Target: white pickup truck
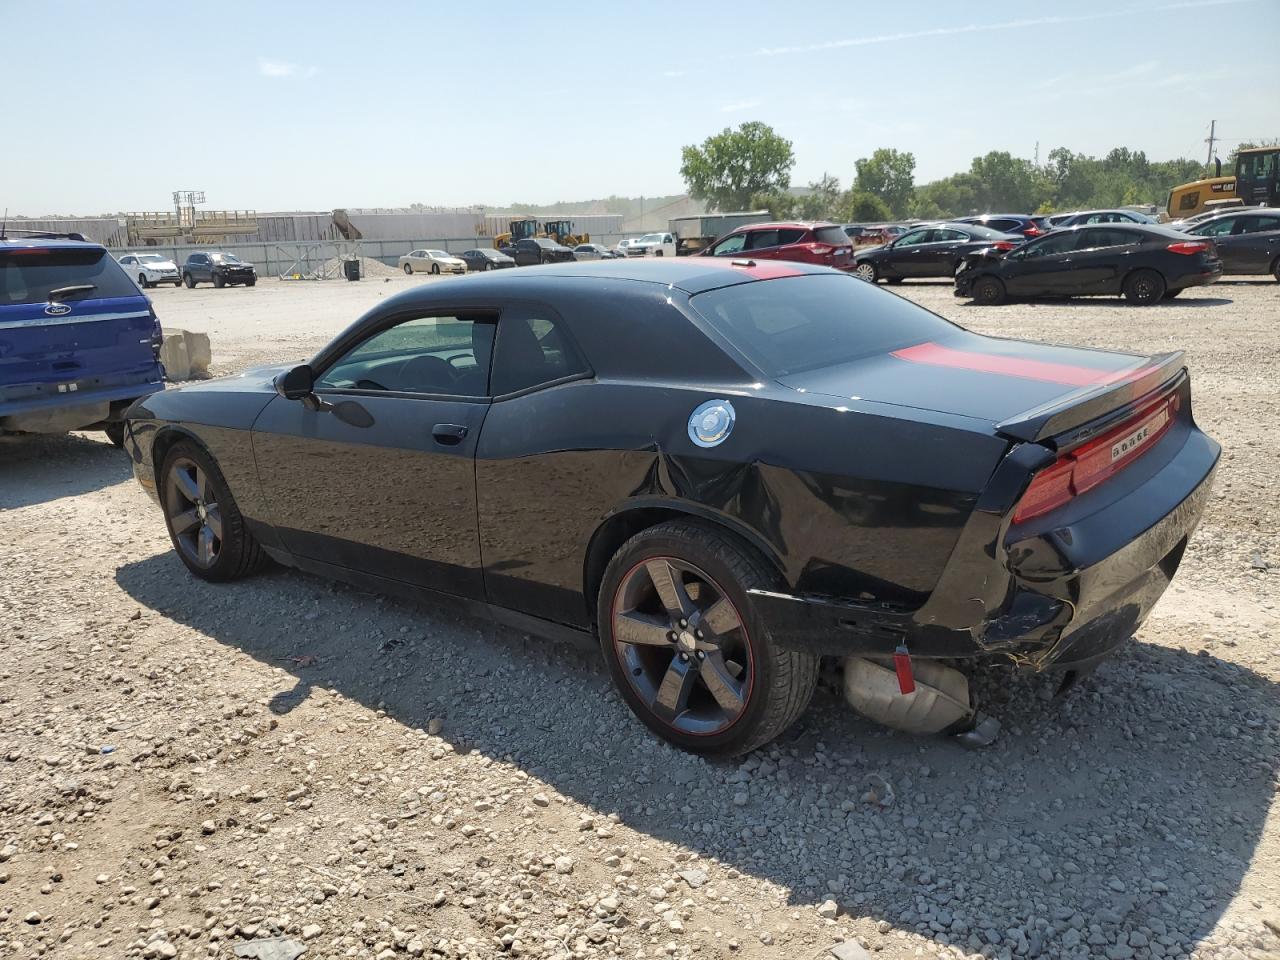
column 653, row 245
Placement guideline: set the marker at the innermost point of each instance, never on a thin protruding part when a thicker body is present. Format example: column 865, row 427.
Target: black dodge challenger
column 724, row 470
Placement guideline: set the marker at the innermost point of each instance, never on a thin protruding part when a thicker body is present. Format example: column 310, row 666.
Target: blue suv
column 79, row 341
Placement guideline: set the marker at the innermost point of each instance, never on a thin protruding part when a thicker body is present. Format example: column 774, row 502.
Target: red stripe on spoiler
column 939, row 356
column 756, row 269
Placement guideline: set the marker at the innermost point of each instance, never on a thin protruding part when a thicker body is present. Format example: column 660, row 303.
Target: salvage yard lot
column 286, row 755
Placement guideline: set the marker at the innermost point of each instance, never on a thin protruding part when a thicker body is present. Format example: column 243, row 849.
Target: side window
column 759, row 239
column 913, row 238
column 1218, row 228
column 948, row 236
column 1258, row 224
column 532, row 348
column 1051, row 245
column 730, row 245
column 128, row 261
column 434, row 355
column 666, row 238
column 789, row 235
column 1101, row 239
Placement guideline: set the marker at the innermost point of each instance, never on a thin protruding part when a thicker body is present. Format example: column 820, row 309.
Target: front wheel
column 219, row 281
column 1144, row 287
column 115, row 432
column 685, row 648
column 435, row 268
column 988, row 291
column 866, row 271
column 189, row 280
column 143, row 282
column 205, row 525
column 251, row 282
column 1275, row 269
column 408, row 270
column 177, row 283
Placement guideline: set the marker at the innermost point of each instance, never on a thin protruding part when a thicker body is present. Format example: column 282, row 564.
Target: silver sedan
column 432, row 261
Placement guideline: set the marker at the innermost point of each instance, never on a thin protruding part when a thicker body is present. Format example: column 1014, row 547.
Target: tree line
column 750, row 169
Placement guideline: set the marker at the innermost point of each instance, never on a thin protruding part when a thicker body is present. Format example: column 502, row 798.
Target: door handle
column 449, row 434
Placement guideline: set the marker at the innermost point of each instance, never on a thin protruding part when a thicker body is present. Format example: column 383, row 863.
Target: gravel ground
column 187, row 768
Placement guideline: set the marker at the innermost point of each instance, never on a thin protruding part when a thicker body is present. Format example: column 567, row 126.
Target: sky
column 310, row 106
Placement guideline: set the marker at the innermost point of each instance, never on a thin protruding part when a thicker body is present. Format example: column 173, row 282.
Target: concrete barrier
column 186, row 355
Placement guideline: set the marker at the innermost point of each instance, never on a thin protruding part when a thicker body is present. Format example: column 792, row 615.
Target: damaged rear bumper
column 1064, row 592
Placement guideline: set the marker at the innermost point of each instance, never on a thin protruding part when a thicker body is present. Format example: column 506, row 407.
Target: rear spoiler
column 1091, row 402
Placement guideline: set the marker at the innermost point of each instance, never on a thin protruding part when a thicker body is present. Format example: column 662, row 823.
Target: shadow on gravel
column 1108, row 302
column 36, row 469
column 1126, row 813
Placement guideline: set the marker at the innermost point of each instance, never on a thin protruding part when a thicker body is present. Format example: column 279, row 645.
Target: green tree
column 822, row 201
column 888, row 174
column 780, row 204
column 859, row 206
column 1005, row 183
column 733, row 166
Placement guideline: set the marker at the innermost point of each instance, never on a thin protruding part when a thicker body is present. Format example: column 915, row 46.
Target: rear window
column 832, row 235
column 30, row 276
column 982, row 233
column 794, row 324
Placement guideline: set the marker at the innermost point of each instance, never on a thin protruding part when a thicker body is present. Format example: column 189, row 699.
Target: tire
column 232, row 552
column 253, row 282
column 657, row 253
column 143, row 282
column 1170, row 294
column 1144, row 287
column 408, row 270
column 893, row 281
column 115, row 432
column 177, row 283
column 988, row 291
column 218, row 281
column 435, row 268
column 189, row 280
column 1275, row 269
column 761, row 689
column 866, row 271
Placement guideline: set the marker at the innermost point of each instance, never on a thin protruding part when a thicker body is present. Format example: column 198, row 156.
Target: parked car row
column 211, row 266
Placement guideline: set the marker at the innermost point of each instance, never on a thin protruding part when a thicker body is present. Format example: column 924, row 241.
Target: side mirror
column 296, row 384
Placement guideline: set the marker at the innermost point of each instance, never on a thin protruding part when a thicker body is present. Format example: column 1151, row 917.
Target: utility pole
column 1037, row 153
column 1213, row 124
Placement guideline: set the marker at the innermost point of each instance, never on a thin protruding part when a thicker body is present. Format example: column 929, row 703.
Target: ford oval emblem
column 711, row 423
column 57, row 309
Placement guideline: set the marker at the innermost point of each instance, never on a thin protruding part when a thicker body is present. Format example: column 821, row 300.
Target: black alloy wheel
column 988, row 291
column 1144, row 287
column 204, row 522
column 685, row 648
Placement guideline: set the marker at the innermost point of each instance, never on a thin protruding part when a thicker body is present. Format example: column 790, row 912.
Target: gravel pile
column 187, row 768
column 369, row 268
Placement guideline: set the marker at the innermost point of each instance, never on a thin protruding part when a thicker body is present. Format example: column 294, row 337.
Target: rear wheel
column 1170, row 294
column 866, row 271
column 204, row 522
column 988, row 291
column 1275, row 269
column 685, row 648
column 1144, row 287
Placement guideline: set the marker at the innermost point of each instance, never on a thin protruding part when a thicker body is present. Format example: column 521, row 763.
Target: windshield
column 792, row 324
column 650, row 238
column 29, row 276
column 224, row 258
column 437, row 253
column 153, row 258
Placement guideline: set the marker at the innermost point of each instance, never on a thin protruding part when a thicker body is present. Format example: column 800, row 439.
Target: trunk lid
column 1026, row 391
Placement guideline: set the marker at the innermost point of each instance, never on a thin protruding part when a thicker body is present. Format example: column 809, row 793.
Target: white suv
column 148, row 269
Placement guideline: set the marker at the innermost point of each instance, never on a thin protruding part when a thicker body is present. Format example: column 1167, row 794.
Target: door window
column 1219, row 228
column 441, row 356
column 760, row 239
column 1051, row 245
column 129, row 260
column 948, row 236
column 1099, row 239
column 532, row 349
column 913, row 238
column 731, row 245
column 1257, row 224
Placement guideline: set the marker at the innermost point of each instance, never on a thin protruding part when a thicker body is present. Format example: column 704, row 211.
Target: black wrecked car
column 535, row 250
column 724, row 470
column 485, row 258
column 220, row 269
column 932, row 250
column 1144, row 263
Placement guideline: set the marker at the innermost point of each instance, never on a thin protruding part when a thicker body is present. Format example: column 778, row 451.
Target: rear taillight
column 1090, row 464
column 1004, row 245
column 820, row 249
column 1031, row 231
column 1188, row 247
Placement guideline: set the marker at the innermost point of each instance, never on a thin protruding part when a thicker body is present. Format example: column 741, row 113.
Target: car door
column 1230, row 244
column 1255, row 242
column 381, row 477
column 1043, row 267
column 906, row 256
column 938, row 257
column 1102, row 257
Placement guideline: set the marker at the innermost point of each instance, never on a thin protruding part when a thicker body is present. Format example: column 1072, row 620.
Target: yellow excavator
column 561, row 231
column 1256, row 183
column 518, row 230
